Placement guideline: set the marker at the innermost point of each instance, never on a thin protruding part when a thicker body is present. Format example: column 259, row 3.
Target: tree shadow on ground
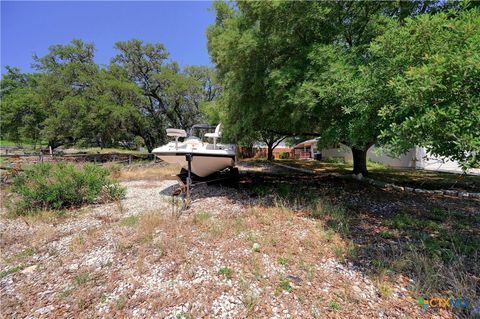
column 434, row 240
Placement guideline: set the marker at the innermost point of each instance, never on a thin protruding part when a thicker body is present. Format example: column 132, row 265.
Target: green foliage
column 226, row 272
column 22, row 112
column 432, row 67
column 282, row 261
column 439, row 239
column 73, row 101
column 82, row 278
column 352, row 73
column 284, row 155
column 334, row 306
column 63, row 185
column 387, row 234
column 174, row 96
column 285, row 285
column 337, row 217
column 11, row 271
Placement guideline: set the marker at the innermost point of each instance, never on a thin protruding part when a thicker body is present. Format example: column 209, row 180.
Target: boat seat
column 174, row 132
column 215, row 135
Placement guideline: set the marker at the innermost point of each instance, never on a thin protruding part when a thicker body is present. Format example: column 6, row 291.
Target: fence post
column 130, row 159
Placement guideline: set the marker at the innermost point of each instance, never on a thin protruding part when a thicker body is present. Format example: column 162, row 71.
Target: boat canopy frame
column 200, row 126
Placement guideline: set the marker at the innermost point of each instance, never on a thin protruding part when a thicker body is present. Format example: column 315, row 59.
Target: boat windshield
column 199, row 130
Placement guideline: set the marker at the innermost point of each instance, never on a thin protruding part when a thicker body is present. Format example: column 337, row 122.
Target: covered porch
column 305, row 149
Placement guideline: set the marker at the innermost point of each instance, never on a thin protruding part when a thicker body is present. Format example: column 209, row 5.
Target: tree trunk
column 53, row 144
column 359, row 161
column 270, row 152
column 149, row 147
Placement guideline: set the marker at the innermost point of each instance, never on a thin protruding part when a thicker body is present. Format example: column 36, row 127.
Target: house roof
column 307, row 143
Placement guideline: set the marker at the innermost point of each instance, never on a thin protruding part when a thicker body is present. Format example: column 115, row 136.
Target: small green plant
column 201, row 217
column 55, row 186
column 404, row 221
column 384, row 289
column 25, row 253
column 130, row 221
column 386, row 234
column 337, row 217
column 66, row 292
column 226, row 272
column 285, row 285
column 438, row 214
column 351, row 250
column 380, row 264
column 82, row 278
column 334, row 306
column 282, row 261
column 11, row 271
column 183, row 315
column 112, row 192
column 121, row 302
column 339, row 250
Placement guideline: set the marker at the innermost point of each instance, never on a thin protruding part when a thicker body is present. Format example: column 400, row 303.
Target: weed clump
column 63, row 185
column 226, row 272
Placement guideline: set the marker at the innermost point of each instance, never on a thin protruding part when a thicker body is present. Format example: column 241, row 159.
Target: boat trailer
column 187, row 180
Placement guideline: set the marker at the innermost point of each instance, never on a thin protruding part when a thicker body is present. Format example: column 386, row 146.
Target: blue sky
column 31, row 27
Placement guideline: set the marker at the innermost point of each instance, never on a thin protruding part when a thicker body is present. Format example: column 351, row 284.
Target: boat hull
column 202, row 164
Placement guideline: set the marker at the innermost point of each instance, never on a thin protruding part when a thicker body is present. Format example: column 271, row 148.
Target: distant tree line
column 71, row 100
column 390, row 73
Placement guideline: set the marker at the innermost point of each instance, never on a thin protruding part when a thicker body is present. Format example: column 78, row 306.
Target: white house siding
column 408, row 159
column 430, row 162
column 373, row 154
column 417, row 157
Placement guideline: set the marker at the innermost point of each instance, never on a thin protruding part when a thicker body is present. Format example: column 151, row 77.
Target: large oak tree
column 304, row 67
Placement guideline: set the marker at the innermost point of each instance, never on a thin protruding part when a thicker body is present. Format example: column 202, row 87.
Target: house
column 417, row 157
column 261, row 150
column 305, row 149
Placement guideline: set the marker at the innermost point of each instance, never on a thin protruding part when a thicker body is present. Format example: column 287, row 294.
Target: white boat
column 206, row 158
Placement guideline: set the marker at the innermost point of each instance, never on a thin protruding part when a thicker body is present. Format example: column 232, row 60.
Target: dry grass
column 160, row 171
column 148, row 223
column 43, row 235
column 278, row 251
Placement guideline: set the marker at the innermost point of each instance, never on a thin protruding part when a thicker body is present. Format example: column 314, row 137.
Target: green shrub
column 285, row 285
column 283, row 155
column 64, row 185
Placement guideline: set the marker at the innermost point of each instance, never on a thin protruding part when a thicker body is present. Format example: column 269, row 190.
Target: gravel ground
column 133, row 259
